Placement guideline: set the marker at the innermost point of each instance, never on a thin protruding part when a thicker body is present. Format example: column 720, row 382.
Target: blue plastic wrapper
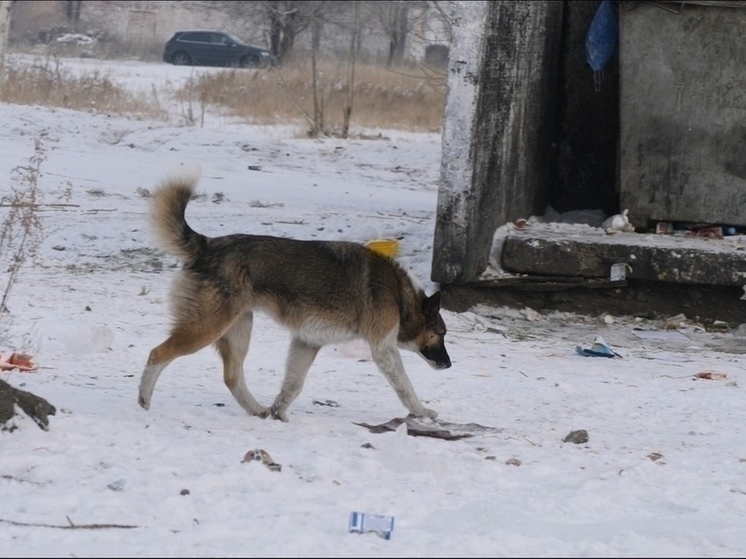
column 599, row 349
column 602, row 36
column 361, row 522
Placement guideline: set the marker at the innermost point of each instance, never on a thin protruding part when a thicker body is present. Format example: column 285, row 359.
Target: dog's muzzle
column 436, row 356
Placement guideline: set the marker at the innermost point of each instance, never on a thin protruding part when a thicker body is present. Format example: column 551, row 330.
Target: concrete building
column 528, row 125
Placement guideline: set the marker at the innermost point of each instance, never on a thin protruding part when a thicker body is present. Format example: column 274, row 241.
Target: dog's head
column 430, row 343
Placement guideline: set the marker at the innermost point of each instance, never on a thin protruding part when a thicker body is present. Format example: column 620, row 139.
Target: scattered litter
column 599, row 349
column 262, row 456
column 530, row 314
column 655, row 456
column 664, row 228
column 361, row 522
column 706, row 230
column 618, row 271
column 675, row 322
column 712, row 375
column 387, row 247
column 330, row 403
column 21, row 361
column 576, row 437
column 593, row 218
column 710, row 232
column 618, row 223
column 718, row 326
column 117, row 485
column 434, row 428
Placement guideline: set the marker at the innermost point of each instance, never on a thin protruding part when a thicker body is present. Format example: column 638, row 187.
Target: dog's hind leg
column 233, row 347
column 387, row 357
column 186, row 338
column 300, row 358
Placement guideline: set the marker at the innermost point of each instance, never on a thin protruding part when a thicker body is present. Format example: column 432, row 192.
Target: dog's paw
column 425, row 412
column 144, row 402
column 279, row 413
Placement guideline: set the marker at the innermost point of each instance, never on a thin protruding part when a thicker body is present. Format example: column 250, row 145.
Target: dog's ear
column 431, row 305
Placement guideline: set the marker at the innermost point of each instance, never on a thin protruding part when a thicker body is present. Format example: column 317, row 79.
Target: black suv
column 213, row 48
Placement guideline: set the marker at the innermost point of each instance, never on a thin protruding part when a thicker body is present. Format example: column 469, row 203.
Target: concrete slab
column 587, row 252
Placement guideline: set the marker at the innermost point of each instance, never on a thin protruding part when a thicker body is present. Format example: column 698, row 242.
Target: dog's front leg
column 387, row 357
column 300, row 358
column 233, row 347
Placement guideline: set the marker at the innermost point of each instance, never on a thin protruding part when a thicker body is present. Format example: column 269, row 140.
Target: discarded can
column 618, row 271
column 664, row 228
column 361, row 522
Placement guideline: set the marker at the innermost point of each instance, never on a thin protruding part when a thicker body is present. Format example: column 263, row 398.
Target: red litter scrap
column 712, row 375
column 21, row 361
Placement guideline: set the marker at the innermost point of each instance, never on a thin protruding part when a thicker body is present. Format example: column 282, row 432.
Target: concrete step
column 555, row 249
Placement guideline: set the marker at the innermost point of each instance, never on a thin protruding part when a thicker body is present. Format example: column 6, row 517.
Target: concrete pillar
column 498, row 127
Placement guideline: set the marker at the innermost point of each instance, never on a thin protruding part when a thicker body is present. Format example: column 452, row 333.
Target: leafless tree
column 73, row 9
column 287, row 18
column 283, row 21
column 354, row 46
column 5, row 6
column 318, row 98
column 393, row 17
column 318, row 12
column 444, row 10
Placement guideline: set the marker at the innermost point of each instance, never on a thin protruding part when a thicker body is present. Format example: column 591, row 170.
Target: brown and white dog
column 322, row 291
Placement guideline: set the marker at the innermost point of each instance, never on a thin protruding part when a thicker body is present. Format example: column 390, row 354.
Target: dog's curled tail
column 171, row 230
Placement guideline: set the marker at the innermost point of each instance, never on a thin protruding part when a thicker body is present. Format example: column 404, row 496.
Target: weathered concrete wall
column 683, row 114
column 498, row 127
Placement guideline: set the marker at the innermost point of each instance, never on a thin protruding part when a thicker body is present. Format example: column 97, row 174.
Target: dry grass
column 405, row 99
column 46, row 83
column 409, row 99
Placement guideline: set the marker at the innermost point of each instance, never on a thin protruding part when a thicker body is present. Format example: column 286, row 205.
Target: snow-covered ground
column 663, row 472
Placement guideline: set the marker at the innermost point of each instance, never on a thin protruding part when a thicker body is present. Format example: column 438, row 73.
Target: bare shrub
column 192, row 98
column 21, row 228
